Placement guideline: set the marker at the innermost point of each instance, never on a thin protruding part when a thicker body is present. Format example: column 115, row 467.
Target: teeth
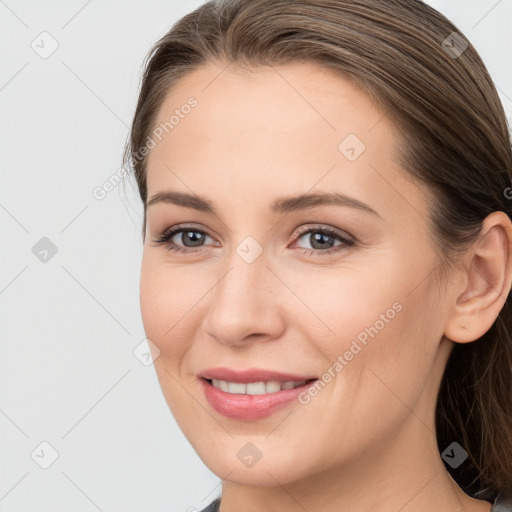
column 236, row 387
column 255, row 388
column 273, row 387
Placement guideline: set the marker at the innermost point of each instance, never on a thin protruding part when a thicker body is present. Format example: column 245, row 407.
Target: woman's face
column 264, row 286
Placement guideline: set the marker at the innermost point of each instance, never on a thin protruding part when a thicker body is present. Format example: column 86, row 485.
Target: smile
column 251, row 394
column 255, row 388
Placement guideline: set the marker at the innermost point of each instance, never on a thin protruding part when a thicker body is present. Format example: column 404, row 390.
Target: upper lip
column 251, row 375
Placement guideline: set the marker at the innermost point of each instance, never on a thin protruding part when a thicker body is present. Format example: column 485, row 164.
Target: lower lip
column 250, row 407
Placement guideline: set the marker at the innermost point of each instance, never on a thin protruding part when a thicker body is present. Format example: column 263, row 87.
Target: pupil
column 317, row 237
column 196, row 238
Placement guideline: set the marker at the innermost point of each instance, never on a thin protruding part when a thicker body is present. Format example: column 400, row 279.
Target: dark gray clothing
column 213, row 506
column 502, row 503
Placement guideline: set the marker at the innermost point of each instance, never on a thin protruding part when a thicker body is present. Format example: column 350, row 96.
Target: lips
column 252, row 375
column 242, row 406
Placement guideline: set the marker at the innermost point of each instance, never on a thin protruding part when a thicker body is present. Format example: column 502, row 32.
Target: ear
column 485, row 281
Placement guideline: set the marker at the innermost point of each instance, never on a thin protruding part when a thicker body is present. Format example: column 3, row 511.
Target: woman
column 327, row 254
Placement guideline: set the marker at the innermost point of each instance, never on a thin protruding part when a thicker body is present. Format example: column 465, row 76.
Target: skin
column 366, row 441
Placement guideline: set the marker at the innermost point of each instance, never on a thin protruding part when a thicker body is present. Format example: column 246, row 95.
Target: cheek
column 383, row 340
column 172, row 306
column 163, row 304
column 376, row 381
column 151, row 300
column 344, row 305
column 160, row 303
column 384, row 303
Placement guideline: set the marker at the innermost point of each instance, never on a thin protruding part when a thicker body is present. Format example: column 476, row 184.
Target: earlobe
column 487, row 274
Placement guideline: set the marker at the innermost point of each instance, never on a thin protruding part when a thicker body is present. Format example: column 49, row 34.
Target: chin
column 250, row 460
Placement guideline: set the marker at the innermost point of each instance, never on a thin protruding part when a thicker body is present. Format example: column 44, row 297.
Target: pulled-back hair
column 453, row 137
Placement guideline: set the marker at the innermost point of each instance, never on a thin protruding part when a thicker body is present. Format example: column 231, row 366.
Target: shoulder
column 503, row 502
column 214, row 506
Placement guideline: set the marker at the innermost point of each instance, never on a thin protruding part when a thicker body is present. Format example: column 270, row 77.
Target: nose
column 245, row 304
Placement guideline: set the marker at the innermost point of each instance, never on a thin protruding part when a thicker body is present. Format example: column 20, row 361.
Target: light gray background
column 69, row 325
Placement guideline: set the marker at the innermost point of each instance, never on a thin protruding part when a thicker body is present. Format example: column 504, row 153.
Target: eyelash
column 165, row 236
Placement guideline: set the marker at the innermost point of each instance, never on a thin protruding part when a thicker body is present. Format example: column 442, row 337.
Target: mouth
column 256, row 388
column 252, row 400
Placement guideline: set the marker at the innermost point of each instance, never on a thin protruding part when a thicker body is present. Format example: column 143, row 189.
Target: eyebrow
column 280, row 205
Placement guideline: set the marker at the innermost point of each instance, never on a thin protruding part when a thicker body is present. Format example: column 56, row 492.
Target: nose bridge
column 241, row 303
column 246, row 274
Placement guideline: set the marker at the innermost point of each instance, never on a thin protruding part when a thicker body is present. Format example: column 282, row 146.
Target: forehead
column 268, row 130
column 300, row 98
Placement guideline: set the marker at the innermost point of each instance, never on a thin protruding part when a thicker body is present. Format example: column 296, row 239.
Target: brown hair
column 454, row 138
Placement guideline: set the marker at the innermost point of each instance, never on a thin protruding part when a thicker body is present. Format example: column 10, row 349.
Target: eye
column 187, row 235
column 322, row 239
